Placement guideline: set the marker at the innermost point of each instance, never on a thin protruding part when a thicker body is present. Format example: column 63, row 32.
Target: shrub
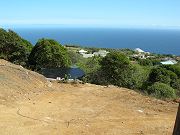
column 155, row 62
column 145, row 62
column 161, row 90
column 97, row 77
column 162, row 75
column 176, row 85
column 173, row 68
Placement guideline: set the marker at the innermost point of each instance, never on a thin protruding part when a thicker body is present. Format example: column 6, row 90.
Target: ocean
column 151, row 40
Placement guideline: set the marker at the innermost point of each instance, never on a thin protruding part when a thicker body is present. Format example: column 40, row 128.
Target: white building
column 82, row 51
column 87, row 55
column 141, row 56
column 169, row 62
column 138, row 50
column 101, row 53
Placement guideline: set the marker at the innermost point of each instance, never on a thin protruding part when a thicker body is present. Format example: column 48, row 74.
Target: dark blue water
column 157, row 41
column 73, row 73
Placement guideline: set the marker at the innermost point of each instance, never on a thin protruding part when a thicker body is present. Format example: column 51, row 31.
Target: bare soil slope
column 29, row 105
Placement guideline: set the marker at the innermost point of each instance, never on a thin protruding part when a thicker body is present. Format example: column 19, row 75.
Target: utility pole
column 177, row 124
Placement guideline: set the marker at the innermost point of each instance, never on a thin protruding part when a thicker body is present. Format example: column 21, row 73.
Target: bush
column 176, row 85
column 173, row 68
column 161, row 90
column 155, row 62
column 145, row 62
column 98, row 77
column 162, row 75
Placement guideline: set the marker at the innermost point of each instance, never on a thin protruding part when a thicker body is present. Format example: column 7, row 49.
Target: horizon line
column 87, row 26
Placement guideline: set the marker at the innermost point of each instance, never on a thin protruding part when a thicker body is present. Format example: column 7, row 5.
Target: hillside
column 17, row 81
column 29, row 104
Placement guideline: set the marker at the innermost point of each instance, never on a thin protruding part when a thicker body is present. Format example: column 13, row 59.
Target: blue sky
column 91, row 13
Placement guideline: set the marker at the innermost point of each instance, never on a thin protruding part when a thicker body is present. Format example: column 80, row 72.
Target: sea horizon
column 154, row 40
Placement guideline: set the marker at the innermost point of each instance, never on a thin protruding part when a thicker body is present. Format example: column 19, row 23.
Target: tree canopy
column 115, row 66
column 14, row 48
column 159, row 74
column 48, row 53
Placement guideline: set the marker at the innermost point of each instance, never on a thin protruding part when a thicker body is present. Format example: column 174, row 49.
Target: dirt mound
column 16, row 80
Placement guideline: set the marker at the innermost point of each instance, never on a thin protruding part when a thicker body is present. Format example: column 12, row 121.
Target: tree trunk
column 177, row 124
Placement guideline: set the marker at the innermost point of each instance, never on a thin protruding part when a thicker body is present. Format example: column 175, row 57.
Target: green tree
column 115, row 69
column 173, row 68
column 14, row 48
column 145, row 62
column 159, row 74
column 116, row 66
column 139, row 77
column 176, row 85
column 89, row 65
column 75, row 57
column 48, row 53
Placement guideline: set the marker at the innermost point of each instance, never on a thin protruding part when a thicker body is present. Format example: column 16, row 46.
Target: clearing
column 30, row 105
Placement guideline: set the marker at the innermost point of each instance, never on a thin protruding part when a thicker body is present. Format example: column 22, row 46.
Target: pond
column 73, row 72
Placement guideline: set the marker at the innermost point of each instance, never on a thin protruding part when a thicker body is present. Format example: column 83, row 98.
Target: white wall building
column 87, row 55
column 169, row 62
column 138, row 50
column 101, row 53
column 82, row 51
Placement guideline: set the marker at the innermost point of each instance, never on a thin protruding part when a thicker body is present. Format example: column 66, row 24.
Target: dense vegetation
column 116, row 69
column 13, row 48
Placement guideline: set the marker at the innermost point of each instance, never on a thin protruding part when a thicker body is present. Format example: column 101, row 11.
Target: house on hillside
column 141, row 54
column 169, row 62
column 101, row 53
column 82, row 51
column 87, row 55
column 138, row 50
